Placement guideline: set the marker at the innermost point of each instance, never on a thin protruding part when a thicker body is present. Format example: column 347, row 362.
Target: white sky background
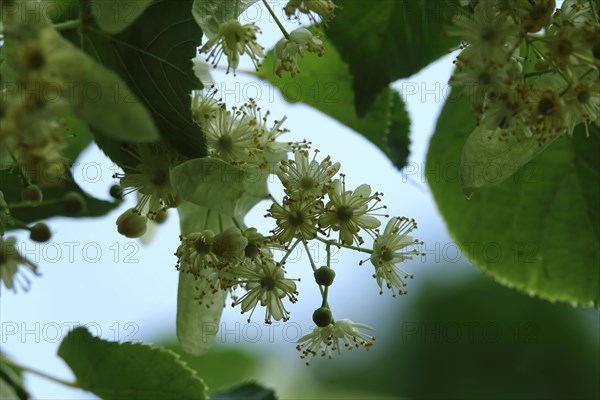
column 127, row 291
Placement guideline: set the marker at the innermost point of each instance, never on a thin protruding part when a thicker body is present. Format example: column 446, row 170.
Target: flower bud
column 40, row 233
column 230, row 244
column 116, row 192
column 33, row 194
column 161, row 216
column 324, row 276
column 322, row 317
column 301, row 35
column 131, row 224
column 73, row 203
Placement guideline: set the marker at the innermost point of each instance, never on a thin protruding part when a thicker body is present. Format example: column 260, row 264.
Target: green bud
column 324, row 276
column 40, row 233
column 33, row 194
column 131, row 224
column 230, row 244
column 116, row 192
column 161, row 216
column 73, row 203
column 322, row 317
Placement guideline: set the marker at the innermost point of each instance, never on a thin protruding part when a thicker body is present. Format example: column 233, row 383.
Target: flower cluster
column 33, row 111
column 527, row 84
column 316, row 205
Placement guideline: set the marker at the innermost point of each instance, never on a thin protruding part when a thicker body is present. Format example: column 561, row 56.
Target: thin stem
column 27, row 204
column 19, row 168
column 64, row 26
column 289, row 252
column 347, row 246
column 314, row 268
column 285, row 33
column 41, row 374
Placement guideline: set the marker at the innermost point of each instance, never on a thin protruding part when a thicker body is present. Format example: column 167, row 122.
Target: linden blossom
column 325, row 340
column 266, row 284
column 233, row 40
column 348, row 212
column 389, row 250
column 10, row 261
column 513, row 100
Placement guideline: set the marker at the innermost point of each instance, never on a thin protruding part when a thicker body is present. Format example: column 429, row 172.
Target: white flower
column 266, row 284
column 196, row 252
column 389, row 250
column 488, row 33
column 304, row 178
column 234, row 40
column 347, row 332
column 151, row 178
column 286, row 57
column 295, row 219
column 232, row 136
column 204, row 105
column 288, row 50
column 348, row 211
column 10, row 261
column 324, row 341
column 582, row 102
column 272, row 151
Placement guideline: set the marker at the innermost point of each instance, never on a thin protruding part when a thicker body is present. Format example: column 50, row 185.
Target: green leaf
column 386, row 40
column 219, row 186
column 538, row 231
column 197, row 325
column 113, row 16
column 215, row 366
column 153, row 56
column 246, row 391
column 11, row 383
column 325, row 83
column 114, row 370
column 78, row 136
column 487, row 160
column 210, row 14
column 52, row 204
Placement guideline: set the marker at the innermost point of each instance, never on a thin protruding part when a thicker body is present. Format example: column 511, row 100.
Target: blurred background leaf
column 246, row 391
column 385, row 40
column 113, row 370
column 153, row 56
column 475, row 339
column 538, row 231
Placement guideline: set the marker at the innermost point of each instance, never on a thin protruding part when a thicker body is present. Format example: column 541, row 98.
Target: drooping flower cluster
column 527, row 84
column 317, row 205
column 33, row 105
column 287, row 51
